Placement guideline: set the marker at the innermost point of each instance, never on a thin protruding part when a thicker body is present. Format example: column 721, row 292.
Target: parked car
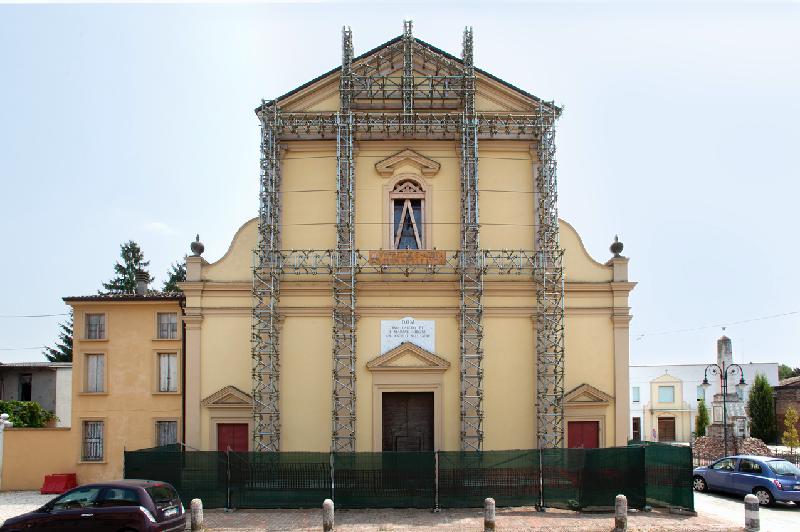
column 770, row 479
column 129, row 505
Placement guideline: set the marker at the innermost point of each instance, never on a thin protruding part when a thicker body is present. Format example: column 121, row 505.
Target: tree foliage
column 790, row 436
column 175, row 275
column 702, row 420
column 784, row 372
column 760, row 409
column 124, row 281
column 62, row 350
column 26, row 413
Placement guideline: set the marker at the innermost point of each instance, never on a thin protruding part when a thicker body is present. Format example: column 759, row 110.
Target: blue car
column 770, row 479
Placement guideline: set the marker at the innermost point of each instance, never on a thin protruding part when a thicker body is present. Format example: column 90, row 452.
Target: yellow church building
column 407, row 284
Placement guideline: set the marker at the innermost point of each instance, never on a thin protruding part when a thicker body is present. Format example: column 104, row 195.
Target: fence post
column 327, row 515
column 228, row 478
column 540, row 506
column 197, row 514
column 488, row 515
column 620, row 513
column 332, row 475
column 436, row 481
column 752, row 522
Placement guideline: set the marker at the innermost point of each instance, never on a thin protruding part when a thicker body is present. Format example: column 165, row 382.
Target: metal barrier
column 655, row 475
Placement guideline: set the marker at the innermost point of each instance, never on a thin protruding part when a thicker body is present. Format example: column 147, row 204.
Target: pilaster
column 193, row 322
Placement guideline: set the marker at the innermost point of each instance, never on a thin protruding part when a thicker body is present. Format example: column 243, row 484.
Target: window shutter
column 173, row 372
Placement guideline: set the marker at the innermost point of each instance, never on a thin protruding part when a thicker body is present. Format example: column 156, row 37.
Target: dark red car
column 123, row 505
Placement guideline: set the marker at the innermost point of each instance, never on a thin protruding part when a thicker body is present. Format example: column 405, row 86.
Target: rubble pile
column 712, row 448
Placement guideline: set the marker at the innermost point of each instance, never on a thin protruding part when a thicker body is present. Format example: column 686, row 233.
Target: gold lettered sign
column 407, row 257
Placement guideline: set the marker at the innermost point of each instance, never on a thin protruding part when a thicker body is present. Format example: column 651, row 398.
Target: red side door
column 232, row 435
column 583, row 434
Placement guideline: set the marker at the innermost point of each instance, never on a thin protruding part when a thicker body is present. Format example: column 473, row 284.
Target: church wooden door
column 407, row 421
column 583, row 434
column 232, row 435
column 666, row 429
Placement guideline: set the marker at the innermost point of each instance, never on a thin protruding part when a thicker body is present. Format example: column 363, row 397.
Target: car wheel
column 699, row 484
column 765, row 498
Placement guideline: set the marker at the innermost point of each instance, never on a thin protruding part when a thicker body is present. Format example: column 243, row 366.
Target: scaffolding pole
column 343, row 437
column 471, row 271
column 549, row 278
column 266, row 292
column 408, row 74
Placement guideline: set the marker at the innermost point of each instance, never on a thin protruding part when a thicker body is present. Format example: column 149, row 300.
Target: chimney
column 142, row 278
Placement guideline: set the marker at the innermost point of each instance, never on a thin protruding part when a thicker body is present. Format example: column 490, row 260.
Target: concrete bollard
column 620, row 513
column 488, row 515
column 196, row 510
column 327, row 515
column 751, row 520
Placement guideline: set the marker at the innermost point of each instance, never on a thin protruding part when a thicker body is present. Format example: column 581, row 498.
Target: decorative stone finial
column 616, row 246
column 197, row 247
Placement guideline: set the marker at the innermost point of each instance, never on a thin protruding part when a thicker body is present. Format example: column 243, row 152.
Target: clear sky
column 680, row 133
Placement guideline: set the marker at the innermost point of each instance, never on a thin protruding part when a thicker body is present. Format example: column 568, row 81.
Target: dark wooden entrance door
column 666, row 429
column 407, row 421
column 583, row 434
column 233, row 435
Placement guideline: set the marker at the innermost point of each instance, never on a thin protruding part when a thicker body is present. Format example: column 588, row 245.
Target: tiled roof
column 791, row 381
column 151, row 295
column 33, row 364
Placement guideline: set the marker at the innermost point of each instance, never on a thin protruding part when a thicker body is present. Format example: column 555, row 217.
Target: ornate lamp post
column 724, row 371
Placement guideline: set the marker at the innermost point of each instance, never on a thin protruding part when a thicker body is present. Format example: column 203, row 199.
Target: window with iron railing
column 92, row 441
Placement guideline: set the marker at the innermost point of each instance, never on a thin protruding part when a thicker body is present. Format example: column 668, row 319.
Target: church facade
column 369, row 238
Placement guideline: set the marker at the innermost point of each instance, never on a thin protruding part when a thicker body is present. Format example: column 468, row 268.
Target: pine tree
column 132, row 261
column 62, row 351
column 790, row 436
column 760, row 411
column 702, row 420
column 175, row 275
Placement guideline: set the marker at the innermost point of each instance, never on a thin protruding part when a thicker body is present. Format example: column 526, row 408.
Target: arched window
column 408, row 204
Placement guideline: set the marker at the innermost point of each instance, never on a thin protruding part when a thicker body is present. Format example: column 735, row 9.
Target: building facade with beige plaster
column 408, row 212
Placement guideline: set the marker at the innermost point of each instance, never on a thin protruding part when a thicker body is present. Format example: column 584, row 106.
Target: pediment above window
column 228, row 397
column 588, row 395
column 408, row 357
column 408, row 157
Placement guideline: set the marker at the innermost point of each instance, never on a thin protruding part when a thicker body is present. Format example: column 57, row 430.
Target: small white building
column 664, row 398
column 47, row 383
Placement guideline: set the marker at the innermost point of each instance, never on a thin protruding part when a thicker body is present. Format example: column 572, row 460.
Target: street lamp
column 724, row 372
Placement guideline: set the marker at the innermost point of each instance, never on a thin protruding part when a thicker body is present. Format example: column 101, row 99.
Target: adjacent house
column 126, row 391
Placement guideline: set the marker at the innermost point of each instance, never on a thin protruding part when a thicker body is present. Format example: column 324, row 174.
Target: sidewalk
column 469, row 519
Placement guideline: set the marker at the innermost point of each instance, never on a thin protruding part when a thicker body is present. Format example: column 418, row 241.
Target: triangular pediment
column 321, row 94
column 228, row 397
column 586, row 394
column 408, row 157
column 408, row 357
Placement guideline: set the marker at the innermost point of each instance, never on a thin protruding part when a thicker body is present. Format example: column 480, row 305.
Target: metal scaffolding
column 471, row 275
column 549, row 277
column 343, row 434
column 408, row 90
column 266, row 292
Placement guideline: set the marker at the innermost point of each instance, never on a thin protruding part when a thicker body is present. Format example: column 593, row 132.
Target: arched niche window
column 407, row 208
